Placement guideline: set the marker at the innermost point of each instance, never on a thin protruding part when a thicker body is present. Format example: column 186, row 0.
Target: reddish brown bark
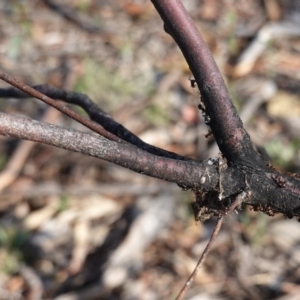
column 226, row 125
column 216, row 183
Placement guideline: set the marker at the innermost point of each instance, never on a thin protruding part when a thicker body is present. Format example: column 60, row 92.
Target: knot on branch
column 267, row 190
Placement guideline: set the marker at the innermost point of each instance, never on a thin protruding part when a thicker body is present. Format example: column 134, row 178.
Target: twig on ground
column 81, row 245
column 33, row 281
column 72, row 15
column 258, row 45
column 15, row 164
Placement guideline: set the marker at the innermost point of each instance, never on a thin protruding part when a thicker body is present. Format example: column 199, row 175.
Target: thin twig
column 33, row 282
column 96, row 114
column 64, row 109
column 201, row 260
column 237, row 202
column 72, row 15
column 242, row 196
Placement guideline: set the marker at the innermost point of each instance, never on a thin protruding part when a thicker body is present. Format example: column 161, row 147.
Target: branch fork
column 220, row 185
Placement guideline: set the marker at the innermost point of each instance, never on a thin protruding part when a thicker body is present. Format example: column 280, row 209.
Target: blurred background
column 74, row 227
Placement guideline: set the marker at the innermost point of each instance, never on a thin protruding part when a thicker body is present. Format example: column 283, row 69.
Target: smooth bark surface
column 227, row 127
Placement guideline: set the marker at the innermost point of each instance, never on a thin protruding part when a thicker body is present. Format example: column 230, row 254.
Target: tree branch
column 62, row 108
column 95, row 113
column 216, row 183
column 186, row 174
column 227, row 127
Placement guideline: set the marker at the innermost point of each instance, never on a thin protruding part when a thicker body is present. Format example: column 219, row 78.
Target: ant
column 209, row 134
column 193, row 82
column 279, row 181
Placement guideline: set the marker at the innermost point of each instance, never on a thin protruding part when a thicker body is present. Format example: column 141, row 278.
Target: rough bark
column 185, row 174
column 216, row 182
column 95, row 113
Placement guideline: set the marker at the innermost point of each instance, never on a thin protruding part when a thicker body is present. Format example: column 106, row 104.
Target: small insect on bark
column 208, row 135
column 193, row 82
column 272, row 167
column 202, row 108
column 294, row 175
column 279, row 181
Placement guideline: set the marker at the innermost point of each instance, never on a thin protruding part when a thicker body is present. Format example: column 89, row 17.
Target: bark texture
column 215, row 182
